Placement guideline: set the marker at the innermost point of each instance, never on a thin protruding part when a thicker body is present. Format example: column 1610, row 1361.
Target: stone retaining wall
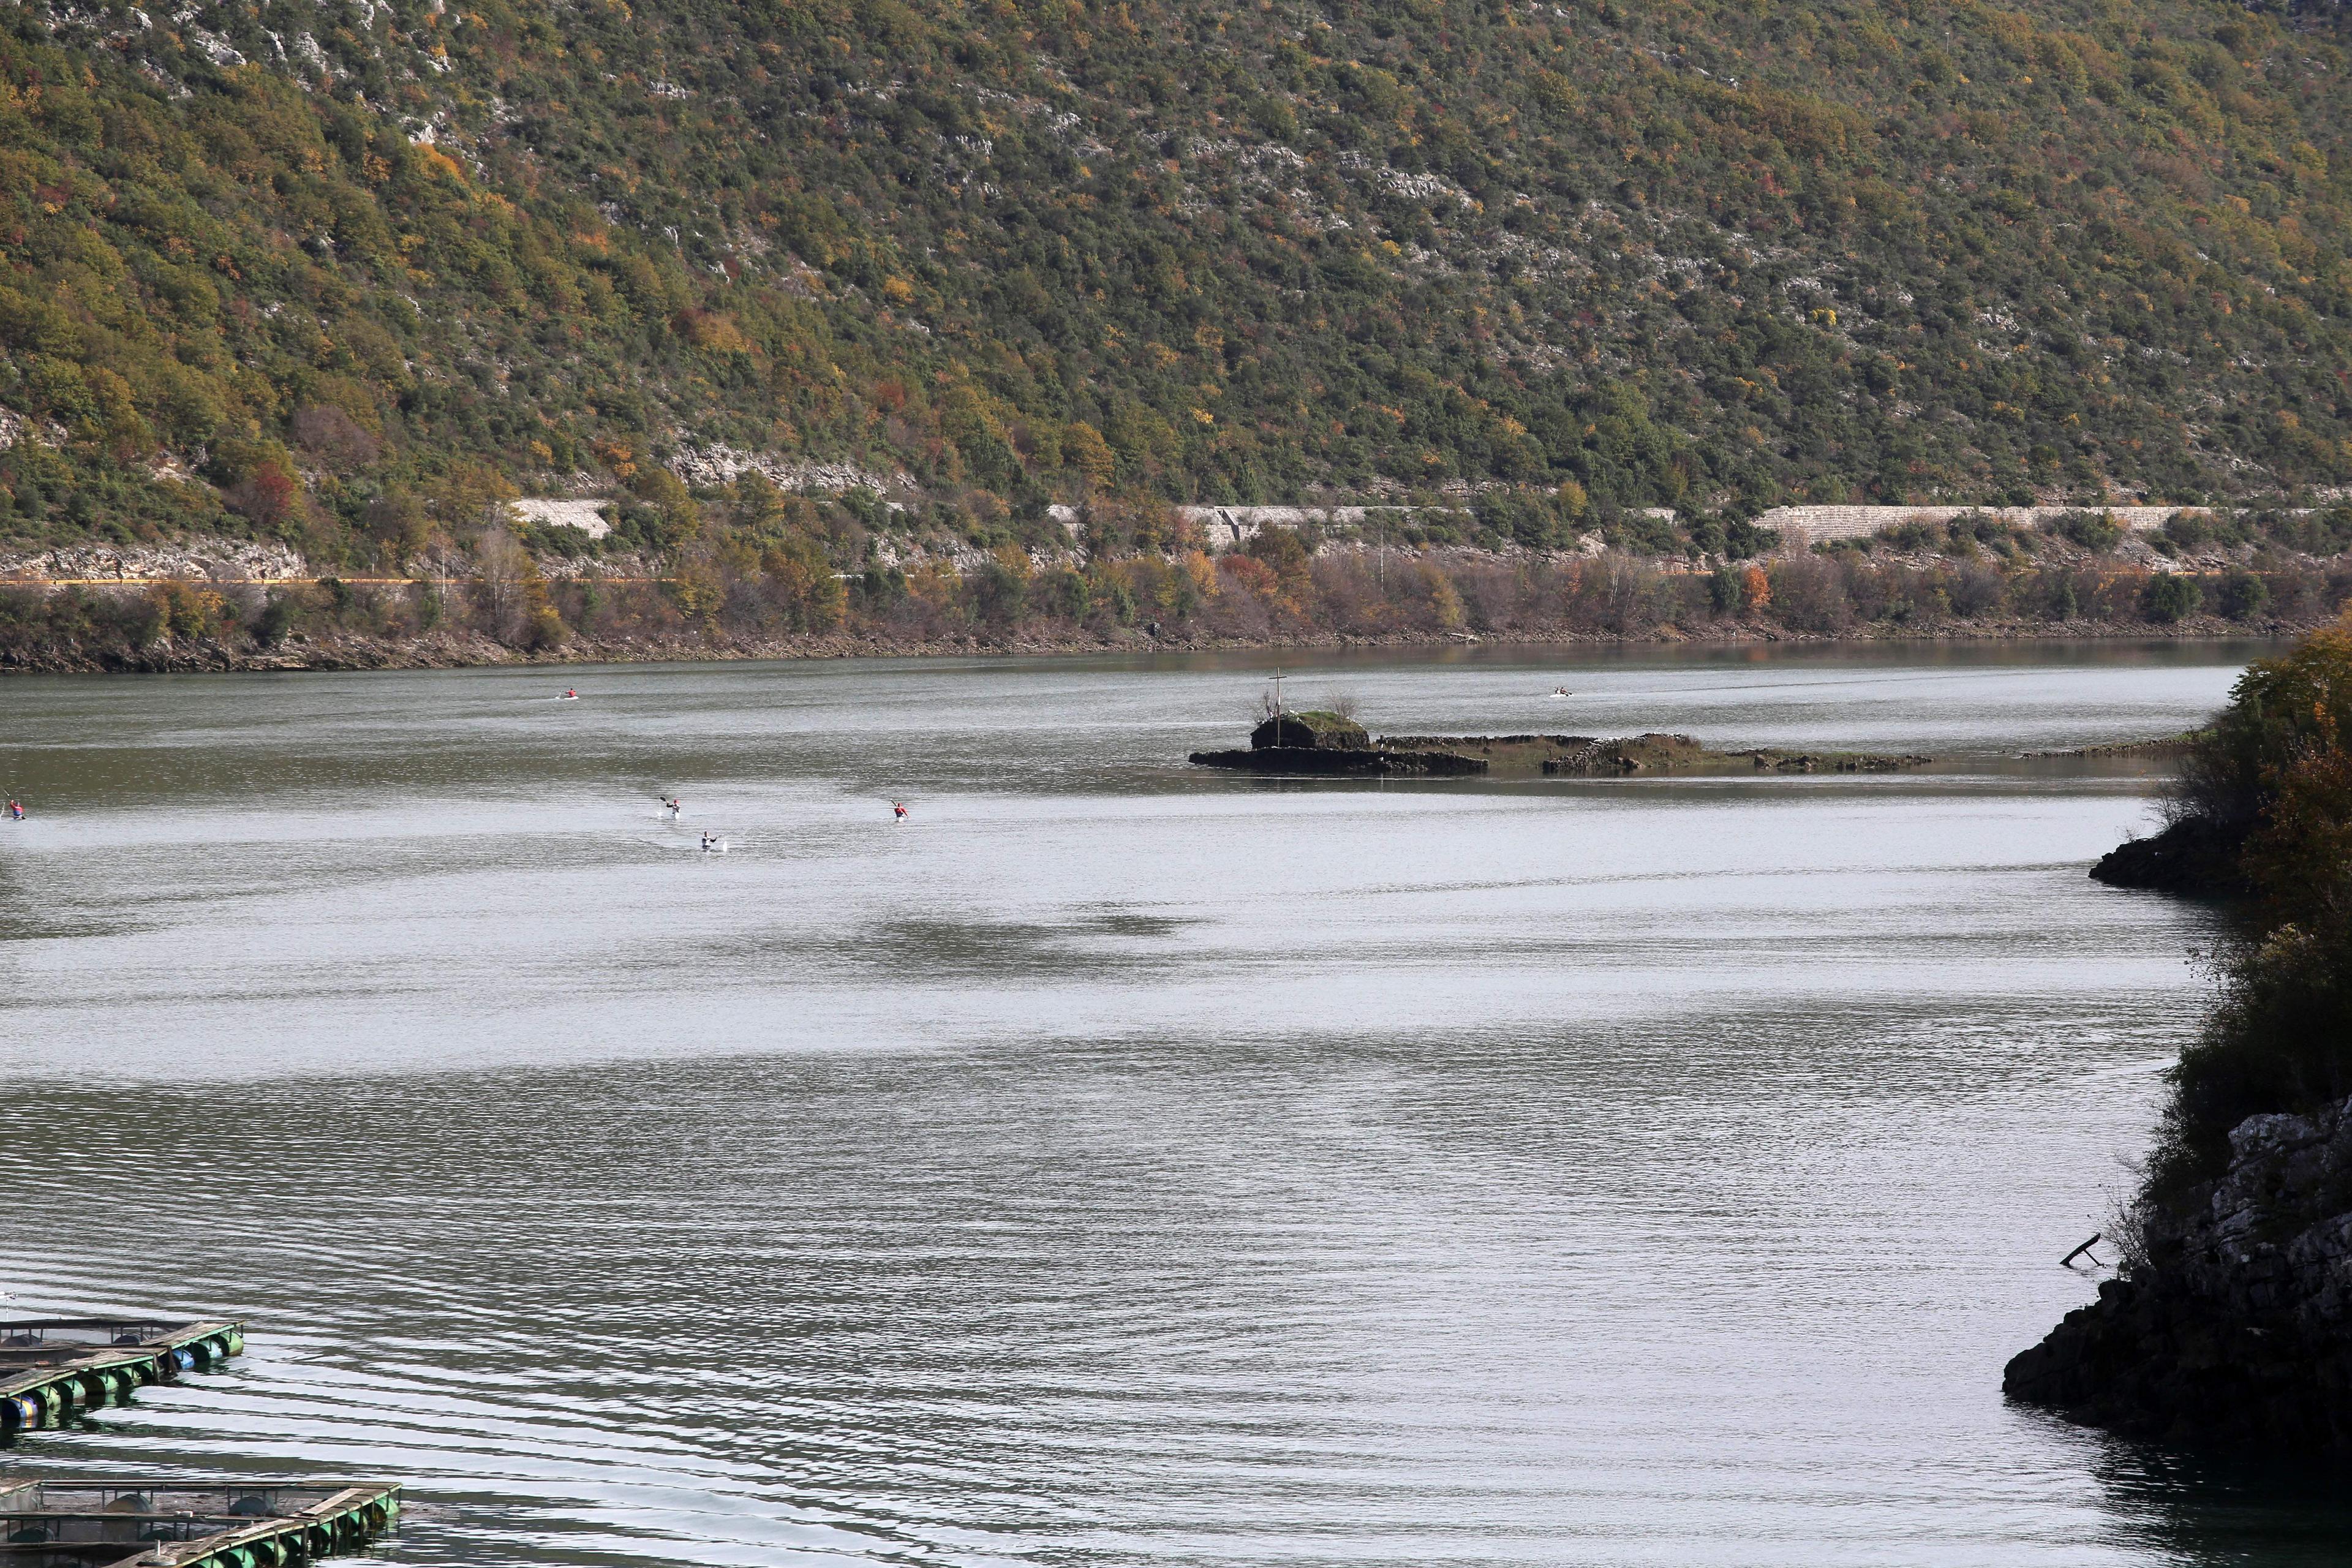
column 1799, row 526
column 1806, row 525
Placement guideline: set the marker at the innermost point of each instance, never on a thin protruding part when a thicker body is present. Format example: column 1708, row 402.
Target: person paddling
column 897, row 811
column 16, row 811
column 709, row 845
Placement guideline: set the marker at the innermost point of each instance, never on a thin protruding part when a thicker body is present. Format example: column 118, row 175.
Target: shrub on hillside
column 2096, row 531
column 2242, row 597
column 2169, row 597
column 2280, row 709
column 2187, row 530
column 1809, row 594
column 2324, row 532
column 1974, row 590
column 2279, row 1039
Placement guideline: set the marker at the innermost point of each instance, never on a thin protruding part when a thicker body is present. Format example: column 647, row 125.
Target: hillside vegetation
column 757, row 581
column 345, row 273
column 2274, row 773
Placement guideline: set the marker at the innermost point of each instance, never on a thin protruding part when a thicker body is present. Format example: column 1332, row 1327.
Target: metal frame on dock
column 51, row 1367
column 122, row 1523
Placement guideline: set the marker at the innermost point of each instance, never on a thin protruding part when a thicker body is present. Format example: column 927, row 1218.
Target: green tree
column 2169, row 597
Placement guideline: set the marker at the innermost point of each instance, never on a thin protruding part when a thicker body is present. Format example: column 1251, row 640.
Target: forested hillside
column 339, row 272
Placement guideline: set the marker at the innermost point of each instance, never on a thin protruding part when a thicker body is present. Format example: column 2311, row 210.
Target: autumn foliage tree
column 2276, row 763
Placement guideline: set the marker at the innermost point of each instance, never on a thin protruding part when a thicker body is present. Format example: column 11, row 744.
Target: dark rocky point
column 2195, row 856
column 2236, row 1331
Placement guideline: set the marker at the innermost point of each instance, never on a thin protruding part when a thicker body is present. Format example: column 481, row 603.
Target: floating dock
column 56, row 1523
column 51, row 1367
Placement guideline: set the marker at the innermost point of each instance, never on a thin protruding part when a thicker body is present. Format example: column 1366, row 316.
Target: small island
column 1319, row 744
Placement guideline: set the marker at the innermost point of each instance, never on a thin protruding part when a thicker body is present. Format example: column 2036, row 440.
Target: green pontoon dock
column 51, row 1367
column 124, row 1522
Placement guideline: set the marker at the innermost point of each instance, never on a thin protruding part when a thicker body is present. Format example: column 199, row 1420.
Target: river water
column 1113, row 1163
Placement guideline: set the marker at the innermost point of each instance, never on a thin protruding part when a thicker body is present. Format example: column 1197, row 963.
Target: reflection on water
column 1113, row 1163
column 2198, row 1509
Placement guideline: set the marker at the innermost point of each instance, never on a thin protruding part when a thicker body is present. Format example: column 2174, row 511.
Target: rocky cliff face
column 2238, row 1328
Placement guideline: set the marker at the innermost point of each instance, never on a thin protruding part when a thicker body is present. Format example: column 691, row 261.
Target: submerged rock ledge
column 1323, row 745
column 2235, row 1328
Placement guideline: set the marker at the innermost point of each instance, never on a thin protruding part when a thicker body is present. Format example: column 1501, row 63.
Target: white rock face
column 197, row 560
column 717, row 464
column 1803, row 525
column 16, row 427
column 2273, row 1233
column 587, row 515
column 1228, row 526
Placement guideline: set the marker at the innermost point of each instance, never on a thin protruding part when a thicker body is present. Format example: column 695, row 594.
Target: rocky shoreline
column 467, row 651
column 2234, row 1327
column 2229, row 1325
column 2194, row 858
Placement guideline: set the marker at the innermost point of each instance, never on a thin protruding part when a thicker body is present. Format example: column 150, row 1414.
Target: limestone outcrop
column 2235, row 1327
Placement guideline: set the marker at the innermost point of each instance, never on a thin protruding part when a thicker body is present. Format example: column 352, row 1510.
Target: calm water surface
column 1113, row 1163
